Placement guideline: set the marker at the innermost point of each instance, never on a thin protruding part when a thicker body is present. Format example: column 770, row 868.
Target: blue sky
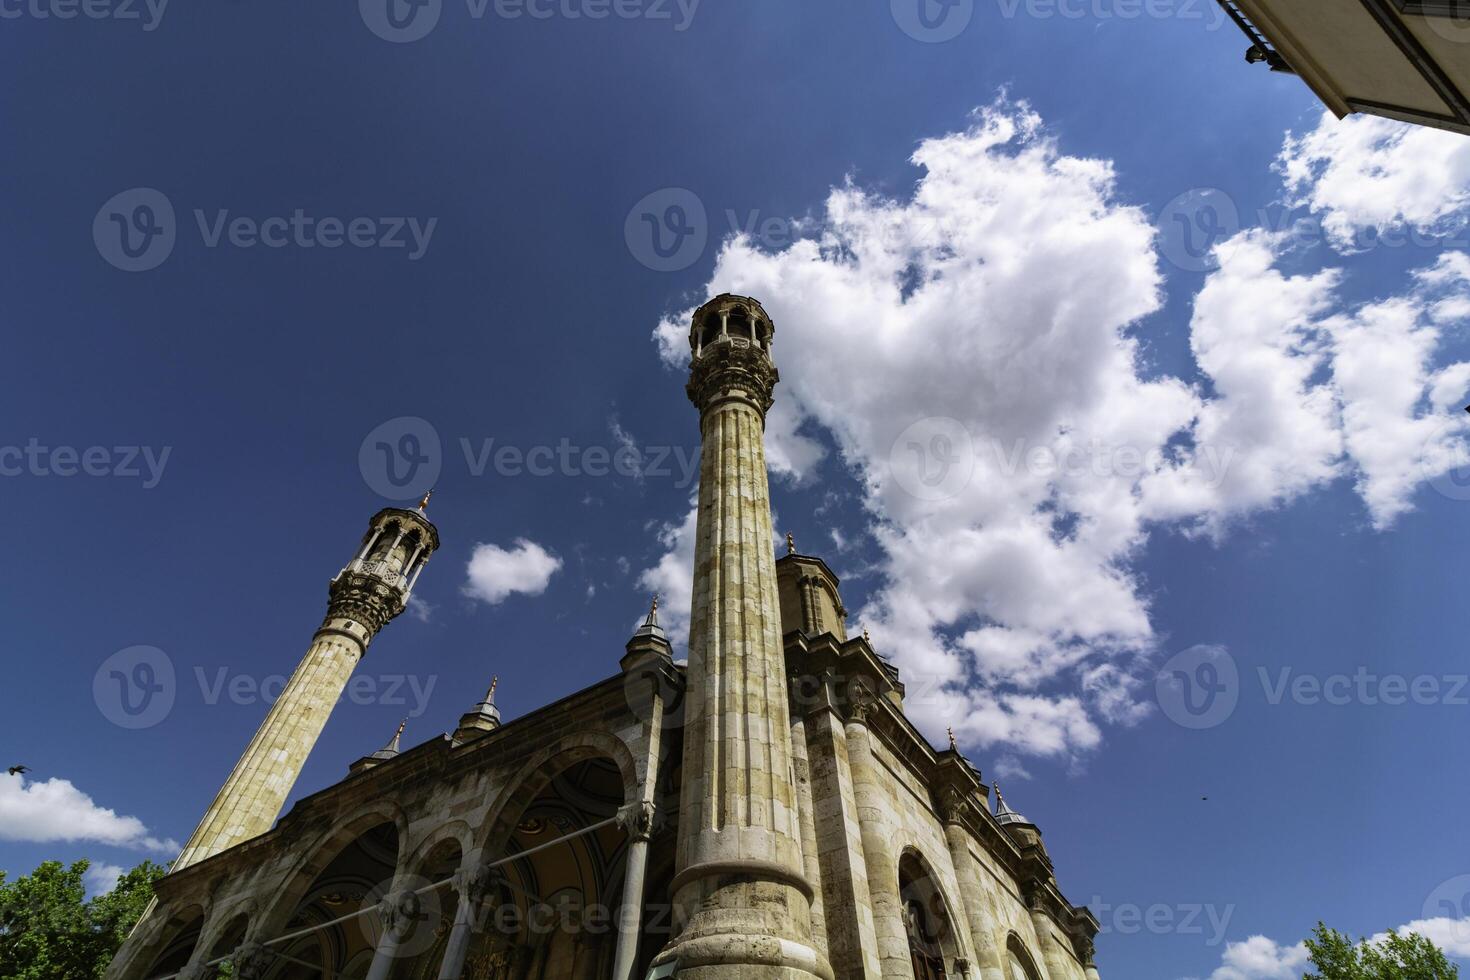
column 975, row 239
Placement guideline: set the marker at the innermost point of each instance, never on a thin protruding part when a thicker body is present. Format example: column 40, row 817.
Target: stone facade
column 766, row 811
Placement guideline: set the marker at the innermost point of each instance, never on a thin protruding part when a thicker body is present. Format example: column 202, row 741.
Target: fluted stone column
column 1051, row 955
column 740, row 884
column 878, row 848
column 364, row 596
column 806, row 813
column 974, row 908
column 1089, row 966
column 847, row 905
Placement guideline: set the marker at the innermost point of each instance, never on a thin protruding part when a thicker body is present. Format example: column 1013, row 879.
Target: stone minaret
column 740, row 885
column 372, row 589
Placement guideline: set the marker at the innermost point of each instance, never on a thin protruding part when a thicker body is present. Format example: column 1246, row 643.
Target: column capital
column 955, row 807
column 250, row 961
column 640, row 820
column 398, row 910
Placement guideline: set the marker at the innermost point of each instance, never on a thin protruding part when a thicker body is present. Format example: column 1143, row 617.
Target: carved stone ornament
column 955, row 806
column 729, row 367
column 365, row 599
column 640, row 820
column 250, row 961
column 399, row 911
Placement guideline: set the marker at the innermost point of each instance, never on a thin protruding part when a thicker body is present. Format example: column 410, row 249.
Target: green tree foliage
column 1410, row 957
column 49, row 931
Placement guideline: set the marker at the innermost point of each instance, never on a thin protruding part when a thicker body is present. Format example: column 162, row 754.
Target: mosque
column 766, row 811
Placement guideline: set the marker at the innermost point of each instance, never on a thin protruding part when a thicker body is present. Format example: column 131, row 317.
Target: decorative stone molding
column 955, row 807
column 472, row 885
column 736, row 369
column 398, row 910
column 250, row 961
column 366, row 599
column 640, row 820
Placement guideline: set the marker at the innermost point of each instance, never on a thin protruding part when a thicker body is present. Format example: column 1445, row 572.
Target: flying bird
column 19, row 770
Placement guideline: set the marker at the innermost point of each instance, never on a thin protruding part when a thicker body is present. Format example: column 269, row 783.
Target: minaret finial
column 392, row 748
column 424, row 504
column 790, row 543
column 1004, row 815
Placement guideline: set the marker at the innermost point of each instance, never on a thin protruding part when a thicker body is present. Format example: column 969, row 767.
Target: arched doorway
column 933, row 944
column 1019, row 964
column 355, row 878
column 420, row 950
column 226, row 941
column 551, row 915
column 175, row 952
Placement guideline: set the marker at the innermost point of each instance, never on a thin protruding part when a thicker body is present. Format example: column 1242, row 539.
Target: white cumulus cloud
column 55, row 810
column 495, row 573
column 1366, row 172
column 102, row 878
column 1260, row 958
column 972, row 351
column 673, row 577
